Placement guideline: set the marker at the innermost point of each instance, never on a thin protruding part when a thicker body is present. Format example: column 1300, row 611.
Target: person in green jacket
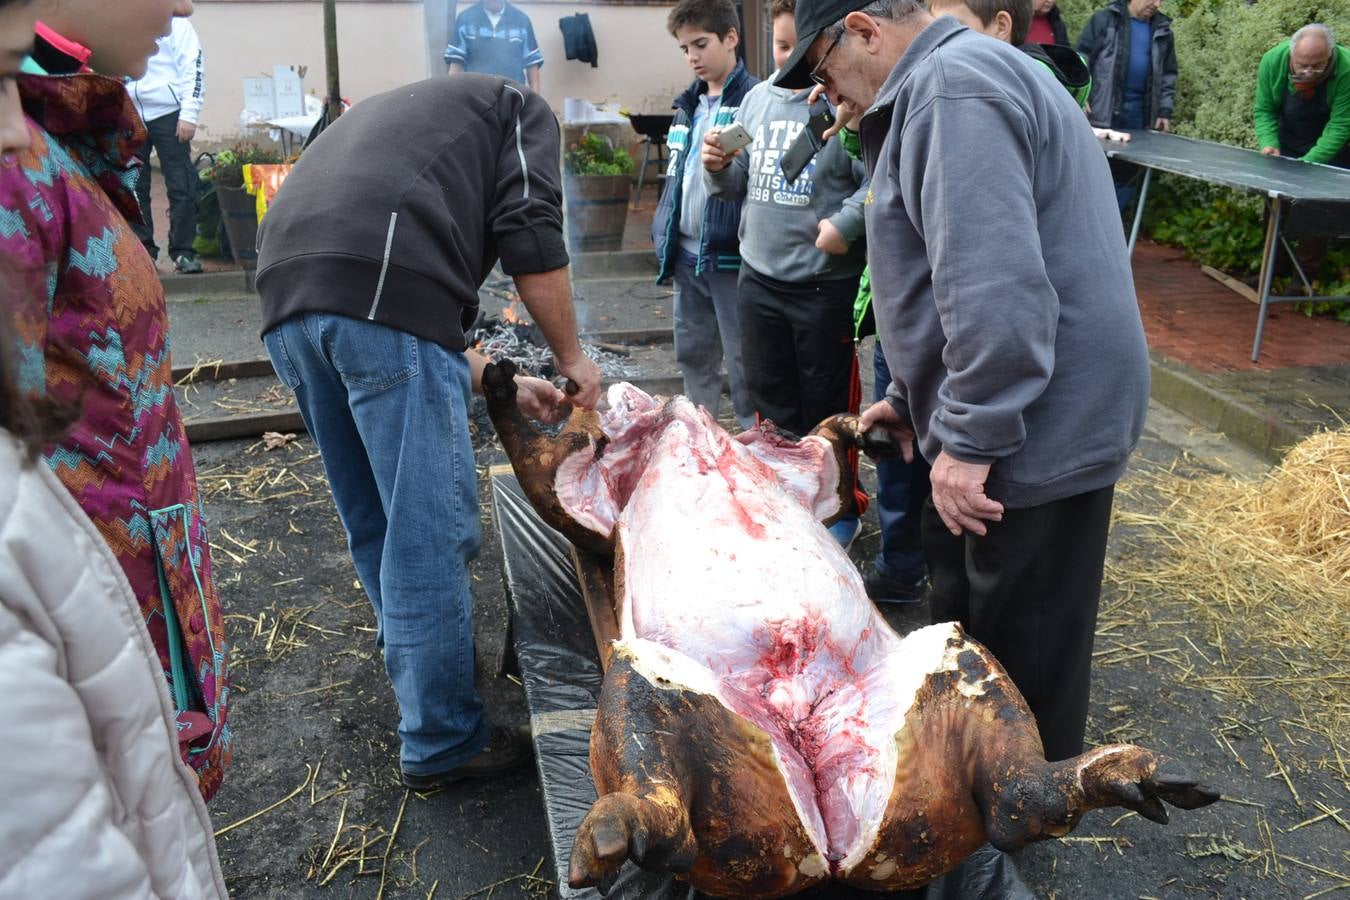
column 1303, row 98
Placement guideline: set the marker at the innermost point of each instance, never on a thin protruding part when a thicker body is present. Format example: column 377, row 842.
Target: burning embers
column 512, row 336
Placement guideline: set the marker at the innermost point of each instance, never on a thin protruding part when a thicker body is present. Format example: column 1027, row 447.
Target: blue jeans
column 390, row 414
column 1131, row 116
column 902, row 489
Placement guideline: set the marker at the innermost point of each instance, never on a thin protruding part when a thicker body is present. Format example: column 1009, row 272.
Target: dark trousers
column 902, row 489
column 1028, row 591
column 180, row 179
column 796, row 347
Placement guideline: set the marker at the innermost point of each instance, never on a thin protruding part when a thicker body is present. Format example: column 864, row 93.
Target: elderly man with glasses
column 1303, row 98
column 1006, row 308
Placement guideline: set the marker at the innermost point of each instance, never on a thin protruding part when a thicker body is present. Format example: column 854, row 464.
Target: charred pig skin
column 761, row 729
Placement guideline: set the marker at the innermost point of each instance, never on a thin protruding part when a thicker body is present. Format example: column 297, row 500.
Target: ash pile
column 511, row 336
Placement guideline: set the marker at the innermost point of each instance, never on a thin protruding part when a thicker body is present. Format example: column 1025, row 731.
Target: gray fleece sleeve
column 965, row 170
column 849, row 219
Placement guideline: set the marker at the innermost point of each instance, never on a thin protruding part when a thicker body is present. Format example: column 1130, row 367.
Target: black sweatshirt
column 399, row 210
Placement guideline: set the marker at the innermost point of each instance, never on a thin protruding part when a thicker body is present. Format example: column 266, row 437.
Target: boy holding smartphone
column 801, row 255
column 695, row 234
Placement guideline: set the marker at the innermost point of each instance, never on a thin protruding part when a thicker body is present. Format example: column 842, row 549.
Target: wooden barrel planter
column 239, row 215
column 597, row 210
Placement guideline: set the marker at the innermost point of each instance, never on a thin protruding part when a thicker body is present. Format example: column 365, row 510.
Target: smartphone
column 808, row 143
column 733, row 138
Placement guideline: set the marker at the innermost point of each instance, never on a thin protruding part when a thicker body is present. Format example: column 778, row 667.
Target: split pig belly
column 722, row 566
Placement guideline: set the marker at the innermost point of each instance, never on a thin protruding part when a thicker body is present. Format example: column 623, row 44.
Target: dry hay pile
column 1267, row 562
column 1286, row 537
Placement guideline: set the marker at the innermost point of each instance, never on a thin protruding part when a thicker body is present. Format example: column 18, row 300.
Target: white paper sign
column 290, row 92
column 259, row 97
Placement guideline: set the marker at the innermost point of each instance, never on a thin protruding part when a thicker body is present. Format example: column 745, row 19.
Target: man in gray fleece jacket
column 1006, row 307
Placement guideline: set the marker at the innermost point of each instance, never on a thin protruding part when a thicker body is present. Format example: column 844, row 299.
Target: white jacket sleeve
column 66, row 834
column 191, row 82
column 96, row 801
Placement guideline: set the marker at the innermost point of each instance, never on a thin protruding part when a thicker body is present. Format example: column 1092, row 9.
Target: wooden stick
column 309, row 773
column 393, row 836
column 1232, row 284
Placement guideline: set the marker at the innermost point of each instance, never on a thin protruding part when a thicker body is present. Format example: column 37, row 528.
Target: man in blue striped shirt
column 496, row 38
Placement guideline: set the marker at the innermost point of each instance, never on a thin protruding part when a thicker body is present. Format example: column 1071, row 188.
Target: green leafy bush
column 1222, row 227
column 594, row 155
column 227, row 167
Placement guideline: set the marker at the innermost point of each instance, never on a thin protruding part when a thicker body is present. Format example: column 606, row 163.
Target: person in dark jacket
column 369, row 263
column 1132, row 56
column 695, row 235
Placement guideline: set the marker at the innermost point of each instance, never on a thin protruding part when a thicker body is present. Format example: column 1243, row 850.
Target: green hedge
column 1219, row 44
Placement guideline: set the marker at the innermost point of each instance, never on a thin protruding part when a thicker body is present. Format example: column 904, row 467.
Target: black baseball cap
column 813, row 17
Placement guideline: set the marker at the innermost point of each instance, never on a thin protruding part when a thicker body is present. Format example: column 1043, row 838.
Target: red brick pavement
column 1193, row 319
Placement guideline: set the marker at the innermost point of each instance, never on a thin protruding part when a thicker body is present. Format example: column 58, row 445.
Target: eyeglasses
column 814, row 74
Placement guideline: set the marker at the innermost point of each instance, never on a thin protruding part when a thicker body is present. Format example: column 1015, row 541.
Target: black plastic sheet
column 562, row 675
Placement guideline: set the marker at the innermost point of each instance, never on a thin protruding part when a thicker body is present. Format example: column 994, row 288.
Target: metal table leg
column 642, row 171
column 1139, row 211
column 1275, row 206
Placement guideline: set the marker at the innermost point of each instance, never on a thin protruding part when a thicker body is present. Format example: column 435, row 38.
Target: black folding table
column 1303, row 199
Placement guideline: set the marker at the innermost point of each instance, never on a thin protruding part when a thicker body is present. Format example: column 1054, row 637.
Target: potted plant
column 598, row 178
column 238, row 209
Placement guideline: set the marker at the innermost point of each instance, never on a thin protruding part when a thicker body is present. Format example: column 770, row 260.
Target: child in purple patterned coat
column 91, row 332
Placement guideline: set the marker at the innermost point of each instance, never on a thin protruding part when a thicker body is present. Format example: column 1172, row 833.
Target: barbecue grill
column 652, row 127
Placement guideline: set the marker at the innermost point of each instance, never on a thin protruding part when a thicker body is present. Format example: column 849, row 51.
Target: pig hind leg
column 1023, row 797
column 670, row 761
column 1047, row 800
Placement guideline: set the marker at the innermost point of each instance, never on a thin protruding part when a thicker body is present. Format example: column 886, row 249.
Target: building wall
column 385, row 43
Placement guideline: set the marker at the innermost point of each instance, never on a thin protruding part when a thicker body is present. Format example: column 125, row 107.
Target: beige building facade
column 385, row 43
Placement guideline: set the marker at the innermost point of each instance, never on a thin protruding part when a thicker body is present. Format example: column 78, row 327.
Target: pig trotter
column 499, row 383
column 878, row 443
column 1158, row 779
column 1047, row 800
column 621, row 827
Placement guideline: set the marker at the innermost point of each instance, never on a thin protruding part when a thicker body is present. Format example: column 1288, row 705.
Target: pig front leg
column 847, row 438
column 536, row 456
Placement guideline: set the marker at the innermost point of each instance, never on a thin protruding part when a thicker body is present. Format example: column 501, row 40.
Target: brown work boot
column 508, row 749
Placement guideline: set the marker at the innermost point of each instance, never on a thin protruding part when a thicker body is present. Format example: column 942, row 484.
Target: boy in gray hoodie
column 801, row 255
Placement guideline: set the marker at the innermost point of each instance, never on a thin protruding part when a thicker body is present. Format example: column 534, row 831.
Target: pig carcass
column 761, row 729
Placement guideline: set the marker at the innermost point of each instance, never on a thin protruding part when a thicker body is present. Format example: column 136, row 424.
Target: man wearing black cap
column 1005, row 305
